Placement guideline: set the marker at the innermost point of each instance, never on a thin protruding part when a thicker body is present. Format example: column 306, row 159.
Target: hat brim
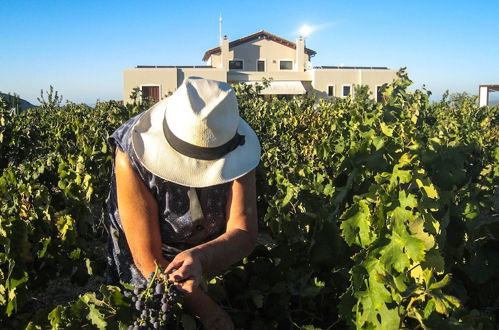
column 157, row 156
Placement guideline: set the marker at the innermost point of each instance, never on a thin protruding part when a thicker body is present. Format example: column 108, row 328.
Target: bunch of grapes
column 158, row 304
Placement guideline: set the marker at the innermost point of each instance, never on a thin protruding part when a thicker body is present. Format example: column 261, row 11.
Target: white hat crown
column 195, row 137
column 203, row 113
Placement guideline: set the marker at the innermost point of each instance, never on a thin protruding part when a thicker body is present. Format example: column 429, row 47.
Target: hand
column 211, row 315
column 185, row 270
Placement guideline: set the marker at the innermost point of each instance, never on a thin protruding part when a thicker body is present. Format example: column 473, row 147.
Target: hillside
column 23, row 104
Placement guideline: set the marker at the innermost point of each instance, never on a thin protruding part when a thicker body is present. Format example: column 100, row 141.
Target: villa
column 253, row 58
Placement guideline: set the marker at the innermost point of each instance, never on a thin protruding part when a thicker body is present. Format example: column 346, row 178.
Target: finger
column 181, row 274
column 175, row 264
column 187, row 286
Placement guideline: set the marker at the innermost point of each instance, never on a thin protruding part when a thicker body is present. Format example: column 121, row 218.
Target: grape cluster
column 157, row 304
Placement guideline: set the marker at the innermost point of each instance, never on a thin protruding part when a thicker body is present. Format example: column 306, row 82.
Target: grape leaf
column 393, row 255
column 96, row 317
column 356, row 226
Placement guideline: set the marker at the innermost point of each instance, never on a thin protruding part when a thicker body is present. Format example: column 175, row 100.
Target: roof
column 492, row 88
column 173, row 66
column 259, row 35
column 352, row 67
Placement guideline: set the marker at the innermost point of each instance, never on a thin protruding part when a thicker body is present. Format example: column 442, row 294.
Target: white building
column 257, row 56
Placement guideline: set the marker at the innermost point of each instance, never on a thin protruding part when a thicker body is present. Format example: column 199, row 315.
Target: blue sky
column 82, row 47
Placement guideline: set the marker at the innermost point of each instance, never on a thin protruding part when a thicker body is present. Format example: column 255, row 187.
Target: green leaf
column 434, row 260
column 429, row 308
column 390, row 318
column 407, row 200
column 427, row 186
column 416, row 228
column 399, row 176
column 356, row 225
column 452, row 300
column 414, row 247
column 55, row 317
column 45, row 243
column 329, row 190
column 32, row 326
column 393, row 255
column 309, row 327
column 88, row 264
column 440, row 284
column 388, row 131
column 378, row 142
column 287, row 198
column 96, row 317
column 440, row 305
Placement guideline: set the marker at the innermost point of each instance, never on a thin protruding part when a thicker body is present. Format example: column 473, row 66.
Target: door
column 150, row 92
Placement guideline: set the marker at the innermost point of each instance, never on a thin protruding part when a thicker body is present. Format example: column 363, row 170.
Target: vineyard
column 373, row 215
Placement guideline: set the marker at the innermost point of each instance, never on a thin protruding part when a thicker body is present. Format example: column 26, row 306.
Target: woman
column 183, row 192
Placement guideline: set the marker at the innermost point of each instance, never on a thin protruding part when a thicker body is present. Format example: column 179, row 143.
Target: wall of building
column 168, row 79
column 483, row 98
column 237, row 76
column 207, row 73
column 261, row 49
column 323, row 78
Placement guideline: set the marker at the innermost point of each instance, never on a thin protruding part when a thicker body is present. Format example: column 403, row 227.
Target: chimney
column 224, row 47
column 300, row 54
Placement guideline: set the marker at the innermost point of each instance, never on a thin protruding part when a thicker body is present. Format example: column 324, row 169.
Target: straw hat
column 195, row 137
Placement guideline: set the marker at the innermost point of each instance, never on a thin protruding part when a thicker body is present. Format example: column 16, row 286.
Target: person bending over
column 183, row 193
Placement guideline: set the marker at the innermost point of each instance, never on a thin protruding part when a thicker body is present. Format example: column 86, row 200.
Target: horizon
column 82, row 50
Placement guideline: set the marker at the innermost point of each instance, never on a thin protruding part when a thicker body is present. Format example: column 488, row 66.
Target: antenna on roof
column 220, row 27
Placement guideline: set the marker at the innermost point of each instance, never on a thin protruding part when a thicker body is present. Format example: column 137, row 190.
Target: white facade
column 261, row 55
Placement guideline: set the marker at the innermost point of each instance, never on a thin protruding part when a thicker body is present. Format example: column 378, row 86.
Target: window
column 260, row 65
column 150, row 92
column 330, row 90
column 347, row 90
column 236, row 65
column 379, row 96
column 286, row 65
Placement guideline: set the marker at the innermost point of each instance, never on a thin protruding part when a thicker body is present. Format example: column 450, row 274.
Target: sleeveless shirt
column 187, row 216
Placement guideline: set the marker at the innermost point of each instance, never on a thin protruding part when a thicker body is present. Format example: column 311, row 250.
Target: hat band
column 203, row 153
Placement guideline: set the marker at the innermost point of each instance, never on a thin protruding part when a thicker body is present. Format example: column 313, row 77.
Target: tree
column 53, row 99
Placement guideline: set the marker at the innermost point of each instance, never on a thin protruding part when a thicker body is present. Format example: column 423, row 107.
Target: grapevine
column 157, row 304
column 371, row 215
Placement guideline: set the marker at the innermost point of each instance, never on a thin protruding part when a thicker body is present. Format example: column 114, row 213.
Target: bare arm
column 237, row 242
column 240, row 237
column 138, row 211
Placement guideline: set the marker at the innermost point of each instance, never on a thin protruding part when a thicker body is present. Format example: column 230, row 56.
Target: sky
column 82, row 47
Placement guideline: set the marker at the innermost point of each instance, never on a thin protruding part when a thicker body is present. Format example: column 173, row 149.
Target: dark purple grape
column 164, row 317
column 164, row 307
column 160, row 288
column 136, row 327
column 136, row 291
column 155, row 325
column 139, row 305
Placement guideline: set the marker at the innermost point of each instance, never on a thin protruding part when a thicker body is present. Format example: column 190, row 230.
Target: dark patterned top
column 181, row 226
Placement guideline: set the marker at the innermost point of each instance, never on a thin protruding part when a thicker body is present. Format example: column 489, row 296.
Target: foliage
column 53, row 100
column 372, row 214
column 53, row 188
